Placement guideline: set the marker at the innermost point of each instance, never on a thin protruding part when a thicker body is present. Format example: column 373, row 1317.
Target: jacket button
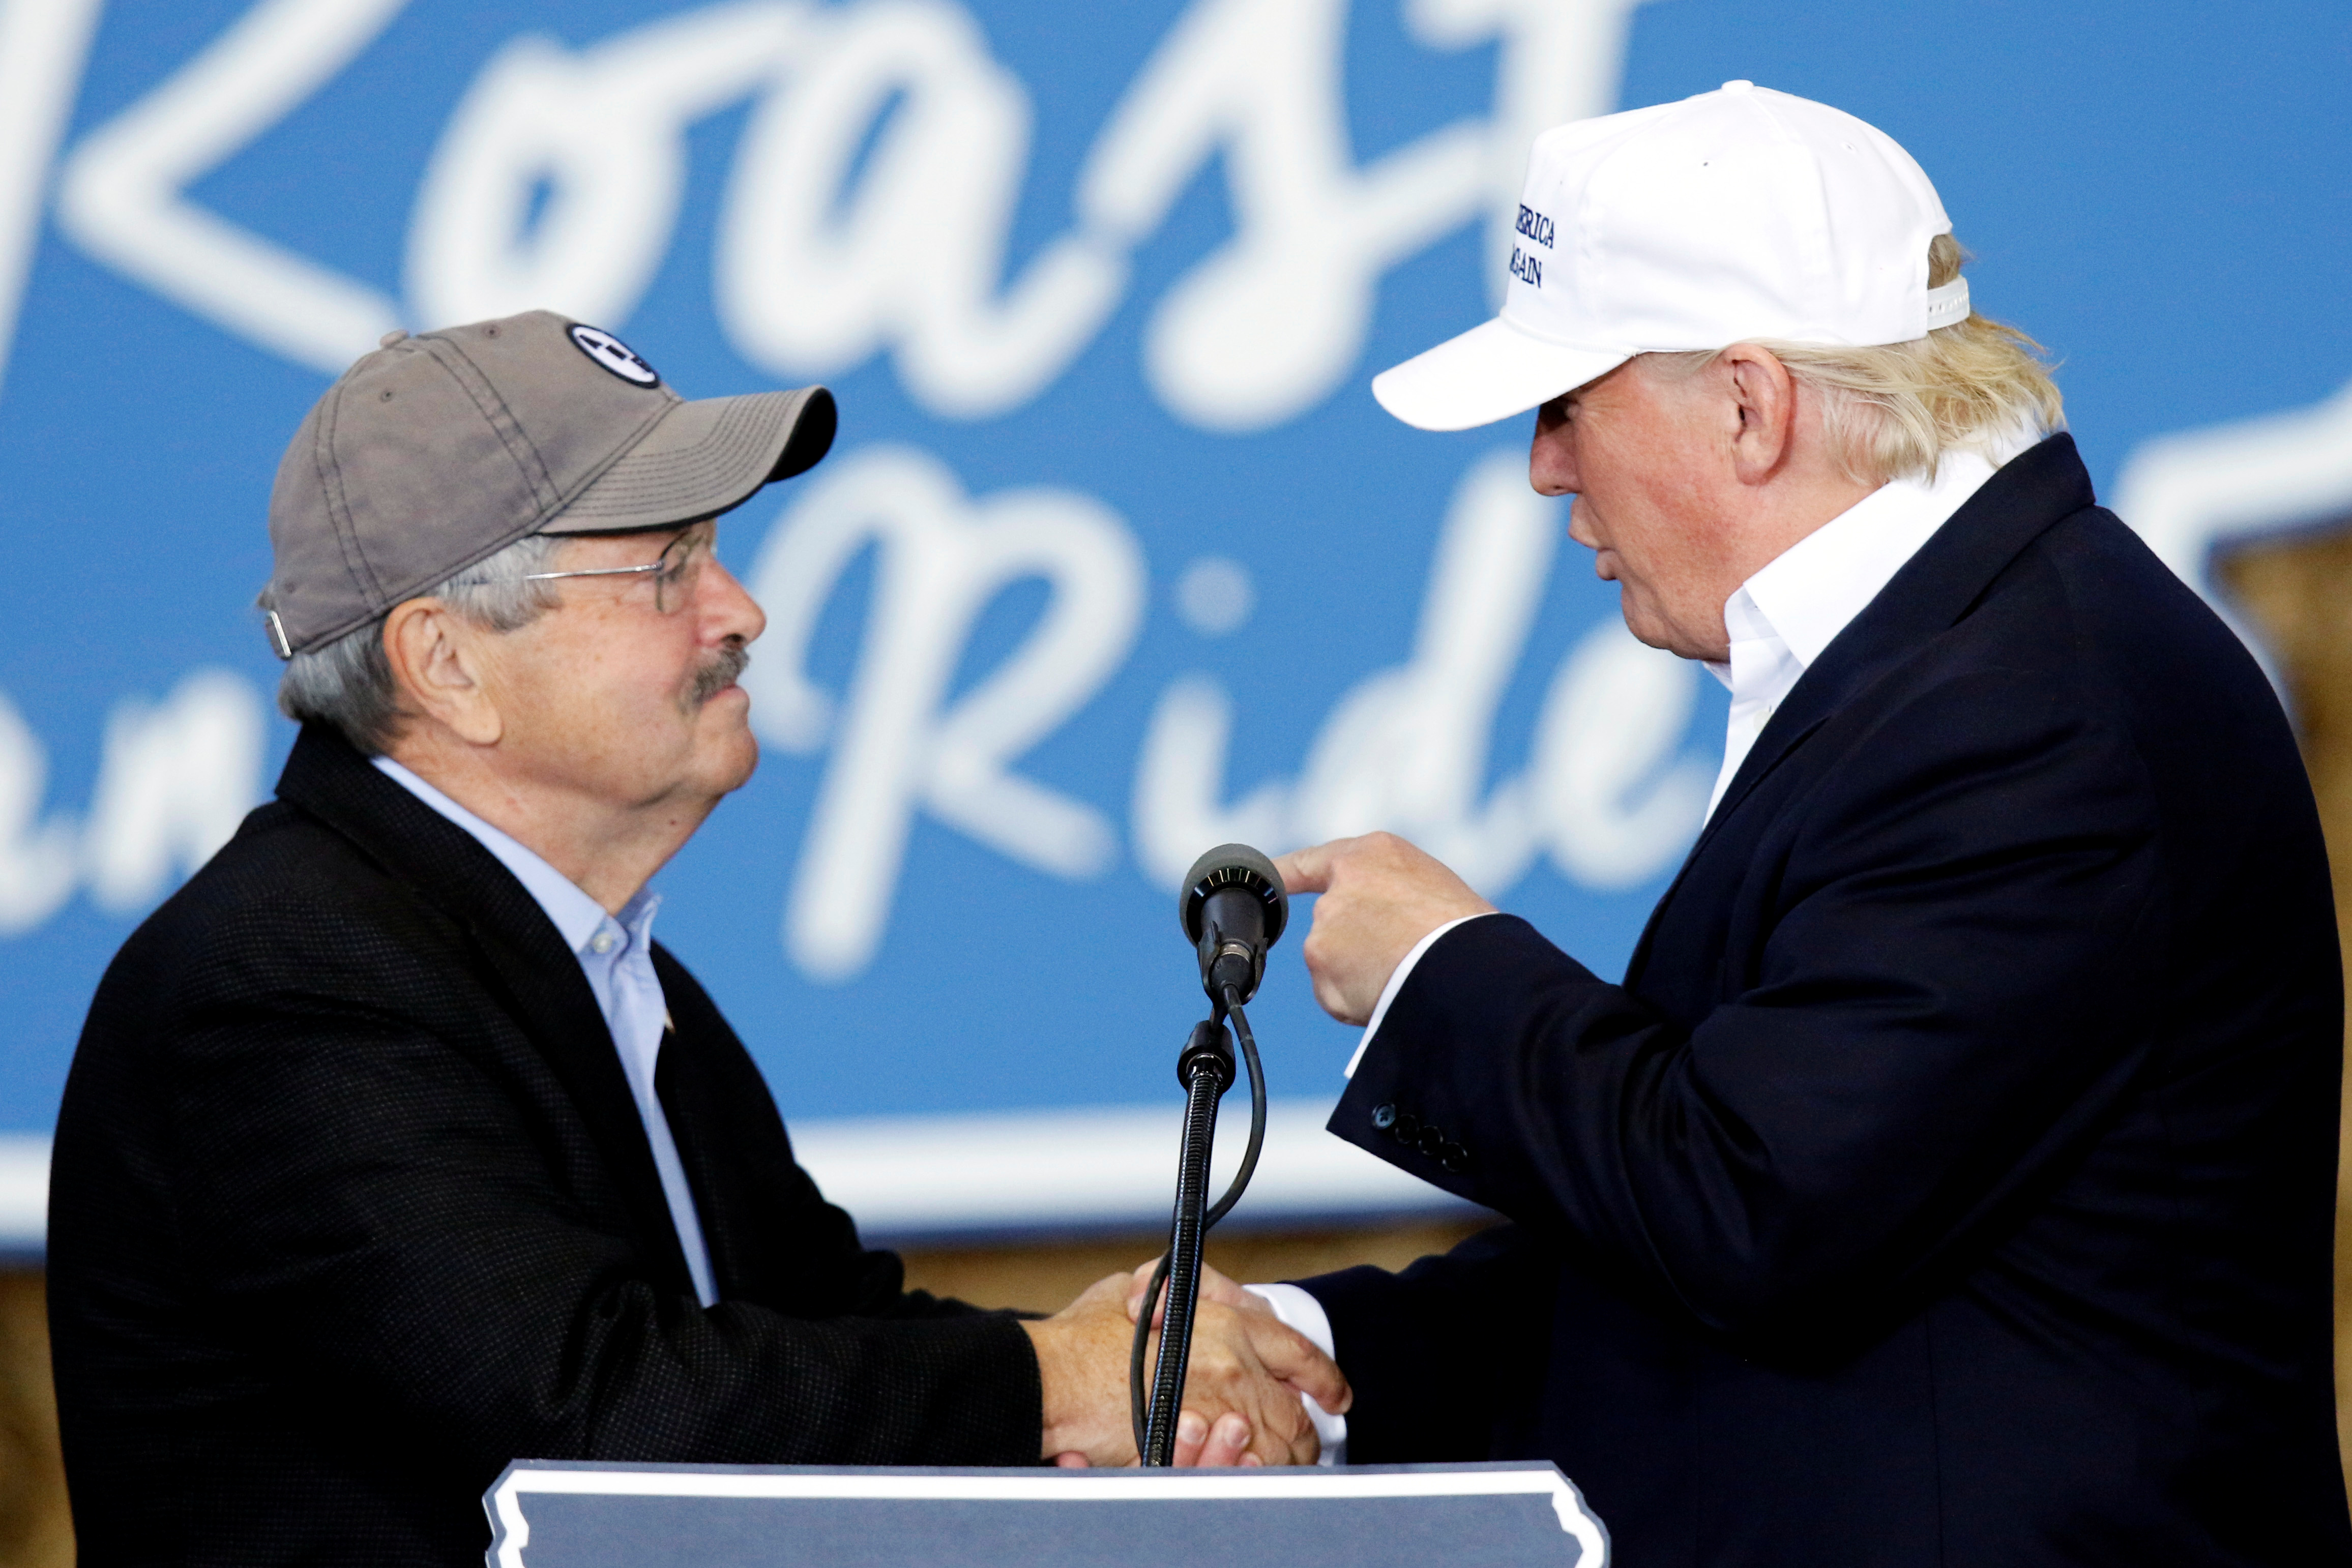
column 1383, row 1117
column 1454, row 1158
column 1431, row 1143
column 1407, row 1130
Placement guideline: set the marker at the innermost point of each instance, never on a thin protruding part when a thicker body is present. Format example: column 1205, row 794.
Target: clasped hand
column 1241, row 1391
column 1380, row 895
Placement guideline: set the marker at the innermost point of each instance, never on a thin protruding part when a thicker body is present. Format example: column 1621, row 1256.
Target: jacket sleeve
column 1938, row 992
column 1440, row 1352
column 365, row 1200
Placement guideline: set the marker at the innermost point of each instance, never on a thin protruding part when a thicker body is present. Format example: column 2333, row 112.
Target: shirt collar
column 576, row 916
column 1808, row 594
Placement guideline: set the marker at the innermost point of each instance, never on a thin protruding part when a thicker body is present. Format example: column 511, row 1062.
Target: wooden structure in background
column 1041, row 1278
column 2298, row 591
column 35, row 1530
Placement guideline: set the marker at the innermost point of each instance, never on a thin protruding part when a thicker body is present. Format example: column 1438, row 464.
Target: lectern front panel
column 550, row 1515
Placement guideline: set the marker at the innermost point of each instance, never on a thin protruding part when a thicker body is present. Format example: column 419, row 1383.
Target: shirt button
column 601, row 943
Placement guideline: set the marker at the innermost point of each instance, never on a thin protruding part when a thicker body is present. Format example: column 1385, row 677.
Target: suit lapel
column 1933, row 591
column 728, row 1134
column 685, row 1098
column 521, row 953
column 557, row 1008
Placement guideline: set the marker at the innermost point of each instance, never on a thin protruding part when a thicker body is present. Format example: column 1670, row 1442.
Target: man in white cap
column 1949, row 1179
column 395, row 1148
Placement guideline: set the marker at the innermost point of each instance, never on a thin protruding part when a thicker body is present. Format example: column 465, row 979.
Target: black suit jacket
column 1949, row 1181
column 350, row 1204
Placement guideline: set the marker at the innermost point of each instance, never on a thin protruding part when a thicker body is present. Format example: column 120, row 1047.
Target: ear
column 436, row 663
column 1765, row 397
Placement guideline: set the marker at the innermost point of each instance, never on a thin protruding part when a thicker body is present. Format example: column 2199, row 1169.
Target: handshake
column 1380, row 895
column 1241, row 1396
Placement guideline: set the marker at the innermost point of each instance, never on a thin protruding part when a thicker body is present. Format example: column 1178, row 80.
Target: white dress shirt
column 1779, row 622
column 1781, row 619
column 616, row 953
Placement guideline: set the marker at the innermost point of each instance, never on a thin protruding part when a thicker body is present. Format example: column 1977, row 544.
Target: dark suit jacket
column 350, row 1204
column 1949, row 1181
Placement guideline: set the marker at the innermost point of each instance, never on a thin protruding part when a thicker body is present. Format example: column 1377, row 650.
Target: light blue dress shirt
column 616, row 953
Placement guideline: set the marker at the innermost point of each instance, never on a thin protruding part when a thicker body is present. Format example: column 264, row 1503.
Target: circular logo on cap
column 615, row 356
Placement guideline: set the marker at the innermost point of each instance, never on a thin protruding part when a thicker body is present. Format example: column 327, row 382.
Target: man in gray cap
column 395, row 1148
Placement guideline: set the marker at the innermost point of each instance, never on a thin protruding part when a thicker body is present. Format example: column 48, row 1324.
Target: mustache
column 718, row 675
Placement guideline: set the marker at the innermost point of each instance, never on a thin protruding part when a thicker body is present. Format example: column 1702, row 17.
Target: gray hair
column 349, row 682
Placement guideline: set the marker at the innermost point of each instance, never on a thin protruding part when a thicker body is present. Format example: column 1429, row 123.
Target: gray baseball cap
column 441, row 449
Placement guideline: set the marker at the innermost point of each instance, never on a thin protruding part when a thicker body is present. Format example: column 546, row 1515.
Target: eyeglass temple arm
column 592, row 571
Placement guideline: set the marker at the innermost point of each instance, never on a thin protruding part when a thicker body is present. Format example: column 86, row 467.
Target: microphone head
column 1232, row 907
column 1236, row 866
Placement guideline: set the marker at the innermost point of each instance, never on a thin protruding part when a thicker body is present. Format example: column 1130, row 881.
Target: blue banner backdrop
column 1116, row 557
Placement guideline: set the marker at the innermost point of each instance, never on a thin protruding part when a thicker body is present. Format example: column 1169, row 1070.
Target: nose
column 728, row 607
column 1551, row 455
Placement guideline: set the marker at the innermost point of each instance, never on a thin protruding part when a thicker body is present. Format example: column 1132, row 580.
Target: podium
column 551, row 1514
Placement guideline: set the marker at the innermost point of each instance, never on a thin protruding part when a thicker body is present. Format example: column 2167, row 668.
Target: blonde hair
column 1891, row 411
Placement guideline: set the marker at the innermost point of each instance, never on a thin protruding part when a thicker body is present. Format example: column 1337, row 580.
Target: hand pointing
column 1380, row 897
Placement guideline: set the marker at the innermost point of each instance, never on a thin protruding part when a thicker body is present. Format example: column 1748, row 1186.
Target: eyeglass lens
column 681, row 564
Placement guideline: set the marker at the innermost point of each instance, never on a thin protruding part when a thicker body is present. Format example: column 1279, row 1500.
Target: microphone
column 1233, row 908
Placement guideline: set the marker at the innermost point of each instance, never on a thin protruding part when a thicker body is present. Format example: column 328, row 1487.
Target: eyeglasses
column 674, row 574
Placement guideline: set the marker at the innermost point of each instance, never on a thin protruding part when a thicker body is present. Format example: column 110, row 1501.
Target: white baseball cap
column 1735, row 215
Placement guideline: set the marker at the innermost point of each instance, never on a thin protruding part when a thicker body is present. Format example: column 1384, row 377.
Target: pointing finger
column 1308, row 870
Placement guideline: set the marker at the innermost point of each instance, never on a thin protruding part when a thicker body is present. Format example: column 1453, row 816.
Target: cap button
column 389, row 338
column 1741, row 85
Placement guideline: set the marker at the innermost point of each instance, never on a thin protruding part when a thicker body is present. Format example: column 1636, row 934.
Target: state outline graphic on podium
column 640, row 1512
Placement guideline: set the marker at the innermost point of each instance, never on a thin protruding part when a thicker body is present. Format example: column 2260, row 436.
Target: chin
column 725, row 750
column 1647, row 629
column 734, row 767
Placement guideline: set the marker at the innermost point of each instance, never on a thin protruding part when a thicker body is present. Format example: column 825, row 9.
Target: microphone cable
column 1140, row 1411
